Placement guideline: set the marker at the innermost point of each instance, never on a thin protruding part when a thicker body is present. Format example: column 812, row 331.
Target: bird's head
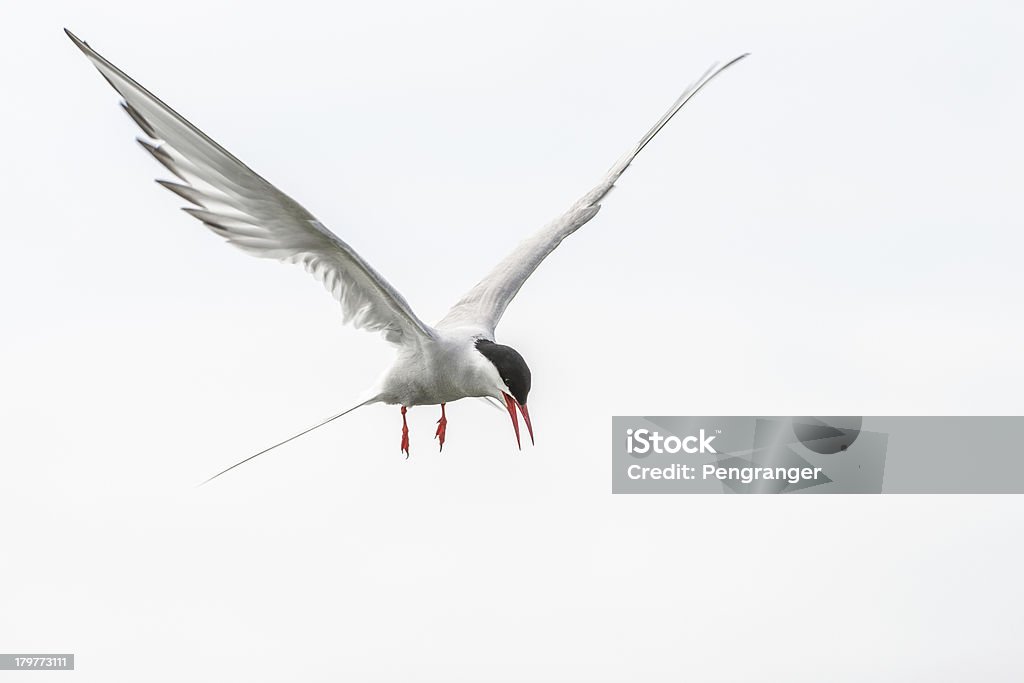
column 513, row 380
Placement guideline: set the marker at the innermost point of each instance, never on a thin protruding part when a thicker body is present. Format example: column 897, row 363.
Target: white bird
column 454, row 359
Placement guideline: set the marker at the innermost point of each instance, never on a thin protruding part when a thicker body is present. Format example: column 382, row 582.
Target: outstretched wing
column 482, row 307
column 253, row 215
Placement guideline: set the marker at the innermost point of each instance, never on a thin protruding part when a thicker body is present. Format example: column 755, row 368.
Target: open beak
column 526, row 419
column 511, row 404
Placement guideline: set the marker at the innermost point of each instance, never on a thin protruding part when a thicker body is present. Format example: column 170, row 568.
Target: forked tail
column 292, row 438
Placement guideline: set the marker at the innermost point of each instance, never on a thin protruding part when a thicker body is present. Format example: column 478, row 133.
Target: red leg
column 405, row 434
column 441, row 424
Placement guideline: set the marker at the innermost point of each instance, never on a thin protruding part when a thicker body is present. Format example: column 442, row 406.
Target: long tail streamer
column 291, row 438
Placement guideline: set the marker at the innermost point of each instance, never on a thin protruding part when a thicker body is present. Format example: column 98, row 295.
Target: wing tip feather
column 139, row 120
column 79, row 43
column 186, row 192
column 161, row 155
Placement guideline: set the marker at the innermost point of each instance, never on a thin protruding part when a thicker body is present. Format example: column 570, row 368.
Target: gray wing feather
column 239, row 205
column 482, row 307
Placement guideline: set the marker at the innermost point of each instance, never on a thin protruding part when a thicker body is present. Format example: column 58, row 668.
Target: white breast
column 440, row 370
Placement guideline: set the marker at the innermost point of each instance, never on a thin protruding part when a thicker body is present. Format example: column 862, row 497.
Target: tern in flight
column 456, row 358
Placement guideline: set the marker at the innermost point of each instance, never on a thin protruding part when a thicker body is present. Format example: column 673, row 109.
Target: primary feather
column 482, row 307
column 239, row 205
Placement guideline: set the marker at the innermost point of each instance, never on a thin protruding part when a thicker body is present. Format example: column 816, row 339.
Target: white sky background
column 832, row 227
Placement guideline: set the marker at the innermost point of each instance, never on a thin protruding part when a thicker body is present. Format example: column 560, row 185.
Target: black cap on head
column 510, row 365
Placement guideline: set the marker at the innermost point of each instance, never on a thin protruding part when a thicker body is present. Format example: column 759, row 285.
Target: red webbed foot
column 441, row 425
column 405, row 434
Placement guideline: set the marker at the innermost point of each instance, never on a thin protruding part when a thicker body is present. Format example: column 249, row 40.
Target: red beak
column 526, row 419
column 511, row 404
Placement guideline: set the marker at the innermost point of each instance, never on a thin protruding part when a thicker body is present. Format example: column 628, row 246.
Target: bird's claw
column 442, row 424
column 405, row 435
